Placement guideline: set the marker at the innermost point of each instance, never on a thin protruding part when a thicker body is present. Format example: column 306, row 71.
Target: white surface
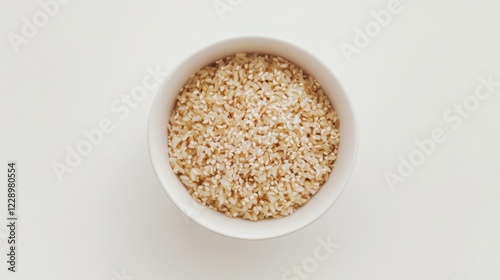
column 111, row 213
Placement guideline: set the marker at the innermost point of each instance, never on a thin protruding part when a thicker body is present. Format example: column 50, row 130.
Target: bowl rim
column 162, row 91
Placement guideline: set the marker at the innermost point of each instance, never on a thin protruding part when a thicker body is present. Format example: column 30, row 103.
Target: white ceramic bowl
column 234, row 227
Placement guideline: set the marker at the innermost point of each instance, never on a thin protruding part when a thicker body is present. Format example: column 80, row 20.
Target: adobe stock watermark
column 190, row 211
column 121, row 108
column 364, row 36
column 310, row 264
column 225, row 6
column 123, row 275
column 454, row 117
column 30, row 27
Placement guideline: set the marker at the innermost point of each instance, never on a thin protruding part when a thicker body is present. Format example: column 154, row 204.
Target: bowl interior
column 157, row 138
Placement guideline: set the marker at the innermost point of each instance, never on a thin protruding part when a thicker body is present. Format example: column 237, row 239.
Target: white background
column 110, row 214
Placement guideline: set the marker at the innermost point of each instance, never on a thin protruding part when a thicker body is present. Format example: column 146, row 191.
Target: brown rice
column 252, row 136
